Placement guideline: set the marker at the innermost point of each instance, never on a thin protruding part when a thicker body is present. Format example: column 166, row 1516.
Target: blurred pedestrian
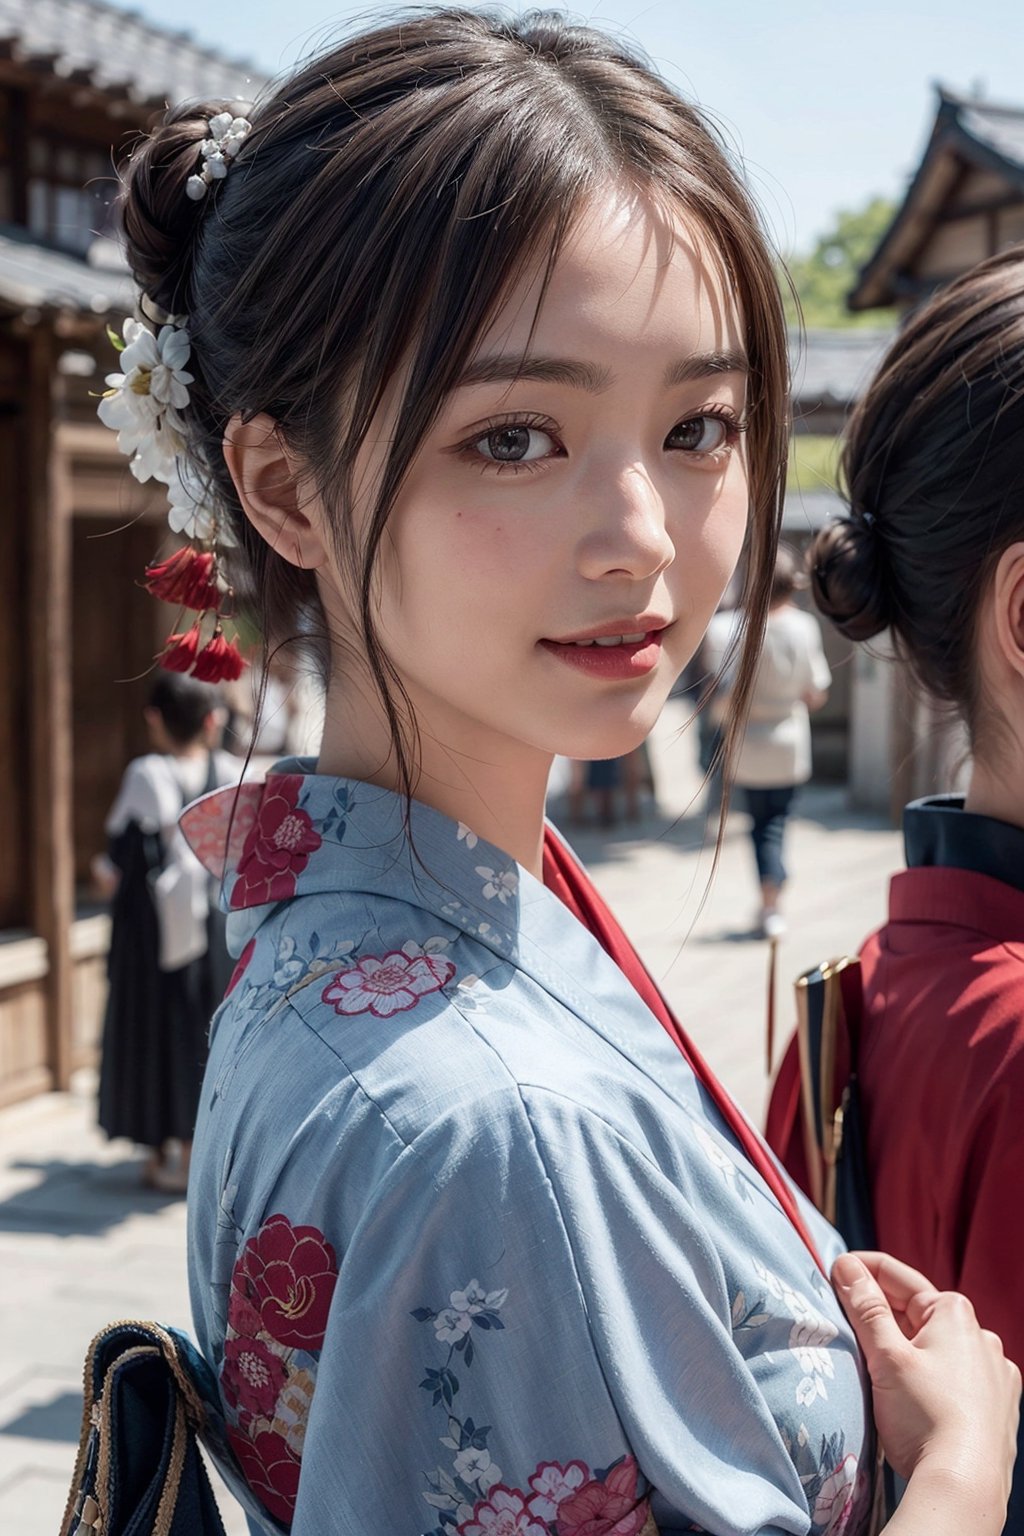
column 774, row 759
column 711, row 679
column 168, row 963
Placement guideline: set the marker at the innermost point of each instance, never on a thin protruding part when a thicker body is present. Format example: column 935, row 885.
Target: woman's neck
column 994, row 793
column 492, row 784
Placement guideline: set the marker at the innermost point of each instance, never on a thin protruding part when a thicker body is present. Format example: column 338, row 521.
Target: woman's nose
column 626, row 532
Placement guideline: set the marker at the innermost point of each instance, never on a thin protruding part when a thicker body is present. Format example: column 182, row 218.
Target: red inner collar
column 566, row 880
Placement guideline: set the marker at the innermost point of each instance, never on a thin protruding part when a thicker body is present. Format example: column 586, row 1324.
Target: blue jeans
column 768, row 810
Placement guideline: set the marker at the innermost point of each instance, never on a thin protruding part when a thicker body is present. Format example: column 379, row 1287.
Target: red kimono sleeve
column 992, row 1251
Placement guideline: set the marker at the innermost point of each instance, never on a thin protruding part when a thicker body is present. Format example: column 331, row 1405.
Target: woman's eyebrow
column 510, row 367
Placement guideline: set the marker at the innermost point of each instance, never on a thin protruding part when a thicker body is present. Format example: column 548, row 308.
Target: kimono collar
column 302, row 833
column 937, row 831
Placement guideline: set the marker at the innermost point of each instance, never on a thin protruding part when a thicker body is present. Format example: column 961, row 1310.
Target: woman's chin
column 593, row 745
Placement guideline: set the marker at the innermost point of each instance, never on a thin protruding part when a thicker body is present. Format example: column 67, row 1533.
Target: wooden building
column 829, row 369
column 79, row 80
column 964, row 202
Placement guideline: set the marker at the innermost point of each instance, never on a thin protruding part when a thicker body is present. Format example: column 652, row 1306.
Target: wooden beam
column 18, row 127
column 956, row 211
column 48, row 658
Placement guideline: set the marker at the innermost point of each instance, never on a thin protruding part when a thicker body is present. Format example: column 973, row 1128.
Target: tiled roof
column 32, row 276
column 118, row 52
column 1001, row 129
column 966, row 131
column 835, row 365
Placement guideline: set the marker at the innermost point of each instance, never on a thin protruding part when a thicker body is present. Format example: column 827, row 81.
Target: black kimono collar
column 937, row 831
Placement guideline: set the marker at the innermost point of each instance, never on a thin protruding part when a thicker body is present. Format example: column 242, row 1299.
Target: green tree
column 825, row 276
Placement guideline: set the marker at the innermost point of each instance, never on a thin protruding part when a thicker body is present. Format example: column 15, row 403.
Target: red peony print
column 252, row 1376
column 387, row 984
column 278, row 847
column 288, row 1275
column 608, row 1508
column 502, row 1513
column 271, row 1470
column 552, row 1483
column 241, row 967
column 243, row 1319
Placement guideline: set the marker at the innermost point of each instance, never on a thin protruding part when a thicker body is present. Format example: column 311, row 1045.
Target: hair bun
column 158, row 217
column 848, row 578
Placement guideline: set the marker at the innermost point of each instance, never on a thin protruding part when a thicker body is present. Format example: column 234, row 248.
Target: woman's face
column 585, row 482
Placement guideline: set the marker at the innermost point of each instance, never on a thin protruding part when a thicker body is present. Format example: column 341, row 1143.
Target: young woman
column 167, row 957
column 488, row 373
column 933, row 550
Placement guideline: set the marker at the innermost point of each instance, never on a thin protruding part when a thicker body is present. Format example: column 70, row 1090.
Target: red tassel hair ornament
column 219, row 661
column 179, row 652
column 188, row 578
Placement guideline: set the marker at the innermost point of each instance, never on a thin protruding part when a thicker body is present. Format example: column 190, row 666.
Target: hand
column 106, row 877
column 944, row 1393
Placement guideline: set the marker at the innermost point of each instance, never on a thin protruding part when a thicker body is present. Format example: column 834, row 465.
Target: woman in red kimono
column 933, row 551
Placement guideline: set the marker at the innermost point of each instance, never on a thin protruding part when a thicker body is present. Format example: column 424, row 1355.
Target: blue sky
column 826, row 103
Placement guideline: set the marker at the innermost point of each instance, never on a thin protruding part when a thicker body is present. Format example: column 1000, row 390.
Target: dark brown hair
column 389, row 194
column 934, row 470
column 183, row 704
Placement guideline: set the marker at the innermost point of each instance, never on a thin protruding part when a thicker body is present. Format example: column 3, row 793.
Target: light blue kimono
column 467, row 1239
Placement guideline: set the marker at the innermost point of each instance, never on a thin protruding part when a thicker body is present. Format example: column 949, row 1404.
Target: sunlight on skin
column 627, row 507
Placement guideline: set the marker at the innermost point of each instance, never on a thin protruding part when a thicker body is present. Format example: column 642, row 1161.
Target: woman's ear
column 1008, row 608
column 275, row 493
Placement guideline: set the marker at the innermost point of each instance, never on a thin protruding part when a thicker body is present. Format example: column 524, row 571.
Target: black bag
column 829, row 1009
column 139, row 1471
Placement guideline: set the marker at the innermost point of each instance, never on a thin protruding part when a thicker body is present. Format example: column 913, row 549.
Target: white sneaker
column 773, row 925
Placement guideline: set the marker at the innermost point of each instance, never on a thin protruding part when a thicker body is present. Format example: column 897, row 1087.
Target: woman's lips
column 610, row 662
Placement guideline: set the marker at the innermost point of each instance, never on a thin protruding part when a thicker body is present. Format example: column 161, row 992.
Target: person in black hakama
column 168, row 964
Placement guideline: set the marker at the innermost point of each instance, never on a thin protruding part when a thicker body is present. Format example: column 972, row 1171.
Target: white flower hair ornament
column 143, row 404
column 226, row 136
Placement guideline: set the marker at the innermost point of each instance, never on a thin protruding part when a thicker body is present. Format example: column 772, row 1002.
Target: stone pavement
column 82, row 1243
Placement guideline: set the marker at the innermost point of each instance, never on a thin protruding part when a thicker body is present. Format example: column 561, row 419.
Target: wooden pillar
column 48, row 659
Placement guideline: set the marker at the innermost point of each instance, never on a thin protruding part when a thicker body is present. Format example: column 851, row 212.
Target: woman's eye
column 515, row 445
column 701, row 434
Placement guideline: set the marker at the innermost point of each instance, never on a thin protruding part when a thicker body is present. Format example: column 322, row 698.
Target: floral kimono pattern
column 471, row 1253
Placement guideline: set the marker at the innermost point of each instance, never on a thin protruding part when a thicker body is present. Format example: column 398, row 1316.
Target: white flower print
column 808, row 1338
column 466, row 836
column 716, row 1155
column 469, row 996
column 808, row 1389
column 434, row 946
column 474, row 1299
column 503, row 886
column 471, row 1464
column 450, row 1324
column 291, row 966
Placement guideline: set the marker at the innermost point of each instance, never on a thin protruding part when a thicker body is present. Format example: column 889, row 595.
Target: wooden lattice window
column 71, row 190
